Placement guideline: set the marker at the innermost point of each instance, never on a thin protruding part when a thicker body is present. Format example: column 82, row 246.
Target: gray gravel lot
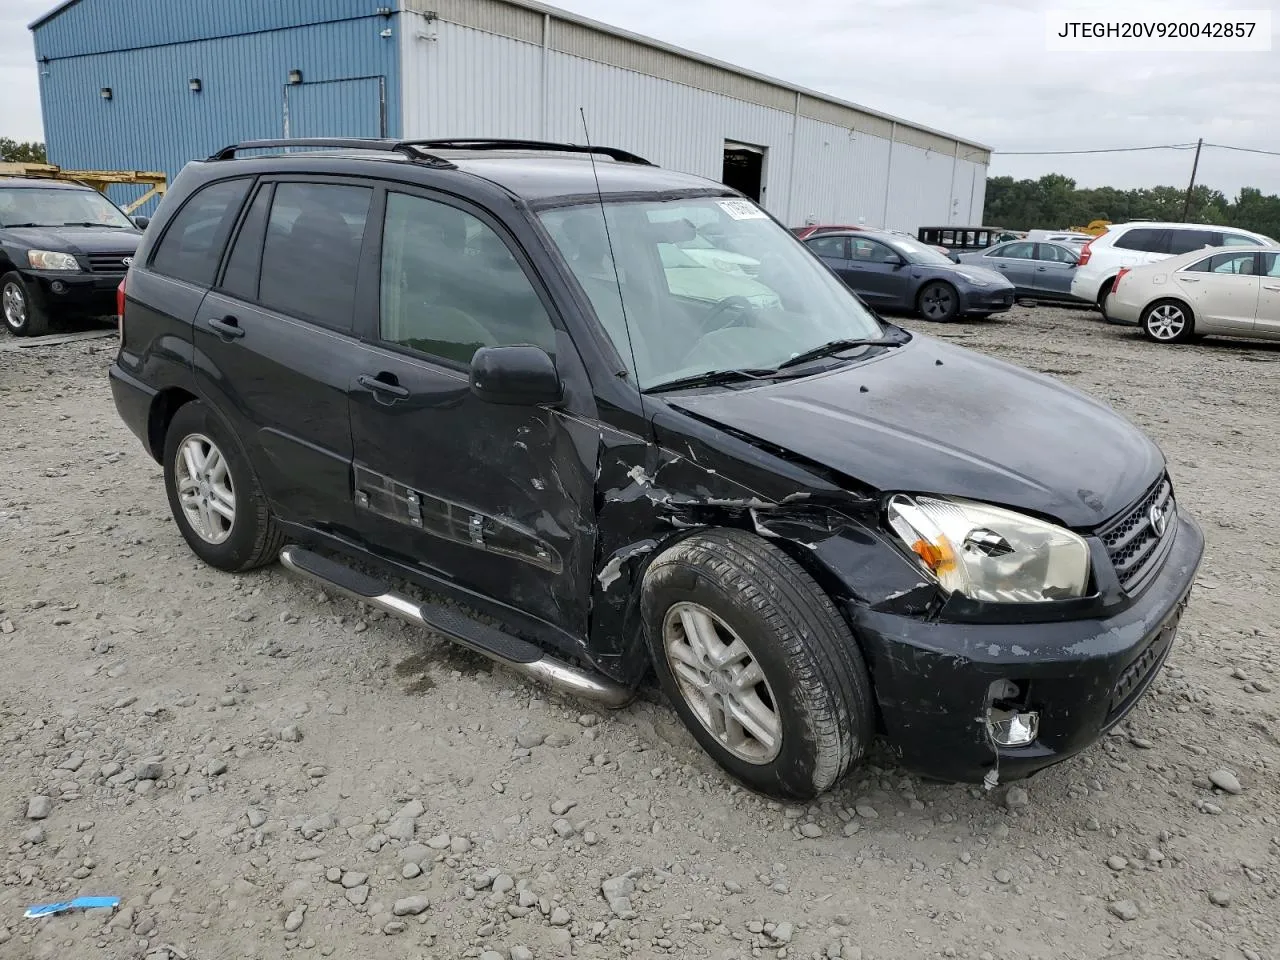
column 261, row 771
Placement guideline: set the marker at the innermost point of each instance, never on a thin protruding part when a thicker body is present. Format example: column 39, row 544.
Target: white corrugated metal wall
column 467, row 82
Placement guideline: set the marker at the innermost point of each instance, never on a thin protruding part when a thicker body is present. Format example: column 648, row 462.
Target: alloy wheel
column 1167, row 322
column 204, row 488
column 937, row 302
column 720, row 680
column 14, row 303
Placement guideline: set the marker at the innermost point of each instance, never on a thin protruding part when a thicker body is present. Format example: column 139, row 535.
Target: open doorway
column 744, row 168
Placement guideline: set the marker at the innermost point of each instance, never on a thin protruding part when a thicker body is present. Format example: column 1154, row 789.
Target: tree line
column 17, row 151
column 1054, row 202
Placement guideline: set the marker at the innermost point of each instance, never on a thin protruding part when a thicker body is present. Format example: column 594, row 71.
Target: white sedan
column 1223, row 291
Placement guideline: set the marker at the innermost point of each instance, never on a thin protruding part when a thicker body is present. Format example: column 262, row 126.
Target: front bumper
column 980, row 300
column 63, row 292
column 1084, row 676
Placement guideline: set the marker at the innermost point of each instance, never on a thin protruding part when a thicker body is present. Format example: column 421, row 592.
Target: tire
column 24, row 315
column 250, row 537
column 938, row 301
column 813, row 681
column 1168, row 321
column 1104, row 291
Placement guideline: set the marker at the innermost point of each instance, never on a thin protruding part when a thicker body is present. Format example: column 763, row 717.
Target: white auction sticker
column 742, row 210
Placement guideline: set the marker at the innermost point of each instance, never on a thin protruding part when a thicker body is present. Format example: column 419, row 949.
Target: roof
column 51, row 14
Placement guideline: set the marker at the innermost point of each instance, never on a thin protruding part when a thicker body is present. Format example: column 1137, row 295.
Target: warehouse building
column 129, row 84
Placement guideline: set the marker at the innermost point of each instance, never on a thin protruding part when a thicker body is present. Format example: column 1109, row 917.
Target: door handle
column 1041, row 269
column 383, row 383
column 1267, row 286
column 1190, row 279
column 228, row 327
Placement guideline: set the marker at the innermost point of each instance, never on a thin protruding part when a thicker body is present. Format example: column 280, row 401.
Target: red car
column 811, row 230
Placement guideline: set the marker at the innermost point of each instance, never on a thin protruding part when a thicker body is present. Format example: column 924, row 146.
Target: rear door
column 1055, row 266
column 275, row 350
column 1223, row 290
column 498, row 500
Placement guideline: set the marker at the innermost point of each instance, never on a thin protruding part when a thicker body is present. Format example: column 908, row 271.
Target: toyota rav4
column 625, row 415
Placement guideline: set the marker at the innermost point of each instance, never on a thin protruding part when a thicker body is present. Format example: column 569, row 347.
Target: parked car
column 1228, row 292
column 1146, row 241
column 460, row 364
column 64, row 248
column 893, row 272
column 1058, row 236
column 963, row 239
column 1040, row 270
column 812, row 230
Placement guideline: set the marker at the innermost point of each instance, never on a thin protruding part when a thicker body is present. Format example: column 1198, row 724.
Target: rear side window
column 192, row 243
column 312, row 251
column 240, row 279
column 1238, row 240
column 1143, row 238
column 1184, row 241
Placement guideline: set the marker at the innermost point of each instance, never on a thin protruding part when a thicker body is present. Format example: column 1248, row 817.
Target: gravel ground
column 261, row 771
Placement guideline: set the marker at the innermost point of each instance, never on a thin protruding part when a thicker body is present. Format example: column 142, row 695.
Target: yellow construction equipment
column 97, row 179
column 1095, row 228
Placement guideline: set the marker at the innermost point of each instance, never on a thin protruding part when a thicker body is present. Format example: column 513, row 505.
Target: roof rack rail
column 622, row 156
column 408, row 148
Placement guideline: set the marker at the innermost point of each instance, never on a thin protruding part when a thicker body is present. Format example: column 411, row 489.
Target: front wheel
column 758, row 663
column 1168, row 321
column 24, row 315
column 938, row 302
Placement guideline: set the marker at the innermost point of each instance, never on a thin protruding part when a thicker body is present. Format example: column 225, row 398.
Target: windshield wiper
column 31, row 224
column 709, row 379
column 835, row 346
column 92, row 223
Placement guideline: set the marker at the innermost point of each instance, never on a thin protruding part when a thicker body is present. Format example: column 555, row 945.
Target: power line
column 1223, row 146
column 1052, row 153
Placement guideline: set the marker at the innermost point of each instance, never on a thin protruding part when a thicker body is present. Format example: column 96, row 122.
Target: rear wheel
column 1104, row 291
column 24, row 315
column 938, row 302
column 1168, row 321
column 214, row 495
column 758, row 663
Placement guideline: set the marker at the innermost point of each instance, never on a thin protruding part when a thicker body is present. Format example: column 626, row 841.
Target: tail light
column 1085, row 253
column 120, row 308
column 1115, row 286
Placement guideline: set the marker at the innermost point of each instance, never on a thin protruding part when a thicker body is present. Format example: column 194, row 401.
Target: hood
column 76, row 239
column 936, row 418
column 993, row 277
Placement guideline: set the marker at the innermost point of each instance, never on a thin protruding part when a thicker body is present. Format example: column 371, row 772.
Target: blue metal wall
column 240, row 50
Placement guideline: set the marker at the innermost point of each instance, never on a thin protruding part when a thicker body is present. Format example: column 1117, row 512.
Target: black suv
column 625, row 414
column 64, row 248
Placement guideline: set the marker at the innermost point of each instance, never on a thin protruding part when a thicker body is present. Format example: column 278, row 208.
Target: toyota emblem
column 1156, row 516
column 127, row 261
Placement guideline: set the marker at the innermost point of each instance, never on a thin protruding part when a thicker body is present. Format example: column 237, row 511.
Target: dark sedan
column 64, row 248
column 893, row 272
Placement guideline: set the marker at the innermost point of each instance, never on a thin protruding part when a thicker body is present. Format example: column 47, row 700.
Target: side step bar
column 519, row 655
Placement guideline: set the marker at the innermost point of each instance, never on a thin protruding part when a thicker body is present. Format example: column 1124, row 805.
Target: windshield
column 916, row 252
column 54, row 207
column 707, row 284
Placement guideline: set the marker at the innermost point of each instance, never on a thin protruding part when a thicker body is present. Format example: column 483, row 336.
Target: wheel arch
column 164, row 405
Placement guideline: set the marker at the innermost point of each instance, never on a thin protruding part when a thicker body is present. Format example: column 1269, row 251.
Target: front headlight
column 51, row 260
column 990, row 554
column 973, row 278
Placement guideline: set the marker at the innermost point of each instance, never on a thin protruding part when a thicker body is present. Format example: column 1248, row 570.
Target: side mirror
column 955, row 257
column 141, row 222
column 518, row 375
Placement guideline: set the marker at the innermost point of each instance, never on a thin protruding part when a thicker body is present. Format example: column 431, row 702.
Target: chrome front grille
column 1137, row 541
column 109, row 262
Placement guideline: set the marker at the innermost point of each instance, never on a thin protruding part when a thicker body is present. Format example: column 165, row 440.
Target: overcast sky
column 975, row 68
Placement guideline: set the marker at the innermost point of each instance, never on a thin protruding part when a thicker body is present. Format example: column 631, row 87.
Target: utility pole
column 1186, row 205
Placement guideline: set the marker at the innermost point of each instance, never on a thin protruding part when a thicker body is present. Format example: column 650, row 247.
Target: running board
column 519, row 655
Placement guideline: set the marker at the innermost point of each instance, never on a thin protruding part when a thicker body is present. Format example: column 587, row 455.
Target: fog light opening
column 1009, row 721
column 58, row 286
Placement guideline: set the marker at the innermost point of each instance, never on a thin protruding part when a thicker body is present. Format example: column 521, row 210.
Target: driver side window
column 450, row 284
column 869, row 251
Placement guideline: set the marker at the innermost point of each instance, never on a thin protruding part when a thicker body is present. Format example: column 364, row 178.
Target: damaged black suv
column 625, row 414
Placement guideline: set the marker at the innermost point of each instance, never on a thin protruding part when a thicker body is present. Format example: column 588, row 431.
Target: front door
column 1267, row 322
column 878, row 273
column 1223, row 290
column 274, row 347
column 497, row 500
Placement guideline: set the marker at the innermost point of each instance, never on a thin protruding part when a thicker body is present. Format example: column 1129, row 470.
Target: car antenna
column 617, row 278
